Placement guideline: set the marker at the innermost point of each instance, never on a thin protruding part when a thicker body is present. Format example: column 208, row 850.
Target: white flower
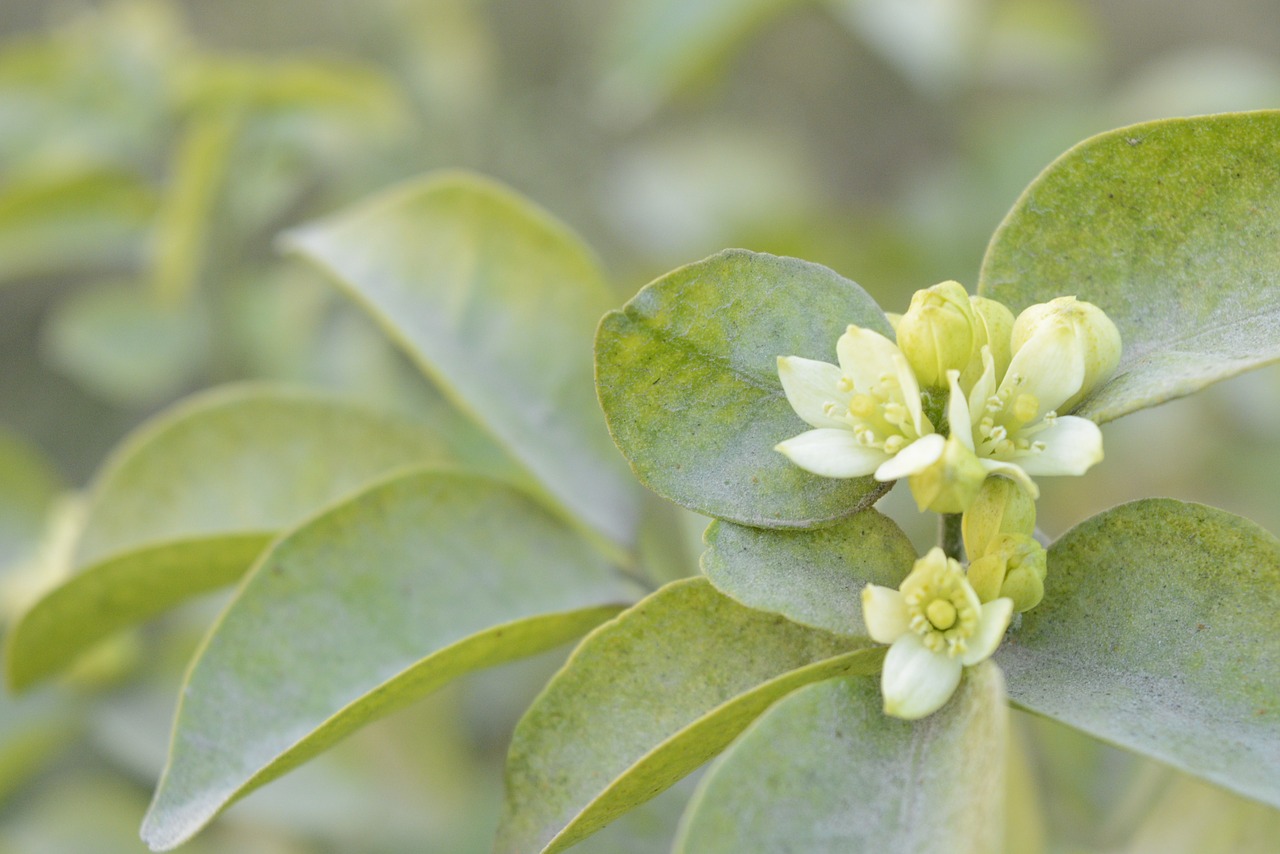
column 1015, row 429
column 936, row 626
column 866, row 413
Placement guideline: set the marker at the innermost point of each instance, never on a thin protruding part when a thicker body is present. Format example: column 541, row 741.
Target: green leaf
column 496, row 301
column 1156, row 633
column 825, row 770
column 188, row 502
column 372, row 604
column 687, row 374
column 649, row 697
column 1172, row 228
column 815, row 577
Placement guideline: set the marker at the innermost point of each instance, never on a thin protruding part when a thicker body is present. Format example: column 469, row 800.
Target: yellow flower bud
column 950, row 484
column 1001, row 507
column 993, row 327
column 937, row 333
column 1013, row 568
column 1095, row 334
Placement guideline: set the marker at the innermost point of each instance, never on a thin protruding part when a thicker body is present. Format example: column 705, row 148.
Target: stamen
column 894, row 443
column 844, row 384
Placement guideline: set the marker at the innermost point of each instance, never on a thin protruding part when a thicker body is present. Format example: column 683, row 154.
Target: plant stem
column 949, row 535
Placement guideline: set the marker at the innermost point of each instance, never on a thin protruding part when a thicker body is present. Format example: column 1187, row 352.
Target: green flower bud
column 1095, row 335
column 951, row 483
column 937, row 333
column 1001, row 507
column 1014, row 568
column 993, row 327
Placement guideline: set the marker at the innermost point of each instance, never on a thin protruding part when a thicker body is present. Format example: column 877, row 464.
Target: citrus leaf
column 496, row 301
column 1171, row 227
column 814, row 577
column 687, row 373
column 1155, row 634
column 646, row 699
column 825, row 770
column 372, row 604
column 191, row 498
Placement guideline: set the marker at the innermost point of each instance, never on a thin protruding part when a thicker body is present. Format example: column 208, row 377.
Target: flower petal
column 1014, row 472
column 917, row 682
column 911, row 395
column 1071, row 446
column 810, row 385
column 914, row 458
column 958, row 412
column 885, row 613
column 1049, row 366
column 983, row 388
column 831, row 452
column 865, row 356
column 991, row 626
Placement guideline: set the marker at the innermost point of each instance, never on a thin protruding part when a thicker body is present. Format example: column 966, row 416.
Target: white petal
column 831, row 452
column 865, row 356
column 1071, row 446
column 912, row 459
column 1014, row 473
column 991, row 625
column 917, row 682
column 885, row 613
column 1051, row 365
column 983, row 388
column 911, row 395
column 810, row 385
column 958, row 412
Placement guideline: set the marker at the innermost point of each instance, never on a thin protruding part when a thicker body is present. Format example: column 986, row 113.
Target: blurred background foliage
column 150, row 151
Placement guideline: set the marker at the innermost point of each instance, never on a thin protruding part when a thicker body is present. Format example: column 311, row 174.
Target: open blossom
column 935, row 626
column 866, row 412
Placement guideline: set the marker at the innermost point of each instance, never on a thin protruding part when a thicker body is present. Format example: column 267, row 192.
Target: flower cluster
column 969, row 405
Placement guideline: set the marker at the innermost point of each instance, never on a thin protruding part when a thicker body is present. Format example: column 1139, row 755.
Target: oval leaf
column 1173, row 228
column 1156, row 633
column 825, row 770
column 496, row 301
column 814, row 577
column 191, row 499
column 645, row 700
column 374, row 603
column 687, row 373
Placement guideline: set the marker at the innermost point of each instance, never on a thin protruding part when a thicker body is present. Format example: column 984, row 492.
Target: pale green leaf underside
column 1157, row 633
column 189, row 500
column 1173, row 228
column 687, row 374
column 28, row 486
column 825, row 770
column 812, row 577
column 645, row 700
column 374, row 603
column 497, row 302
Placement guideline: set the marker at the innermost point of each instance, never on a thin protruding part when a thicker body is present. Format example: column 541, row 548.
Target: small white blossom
column 936, row 626
column 866, row 412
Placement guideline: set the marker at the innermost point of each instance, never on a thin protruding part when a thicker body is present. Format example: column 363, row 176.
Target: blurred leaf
column 124, row 345
column 825, row 770
column 1154, row 634
column 331, row 629
column 646, row 699
column 186, row 211
column 70, row 222
column 687, row 374
column 814, row 577
column 1172, row 228
column 32, row 730
column 657, row 47
column 188, row 502
column 496, row 301
column 28, row 486
column 1193, row 817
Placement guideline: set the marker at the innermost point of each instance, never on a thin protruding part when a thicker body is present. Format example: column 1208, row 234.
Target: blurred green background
column 151, row 151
